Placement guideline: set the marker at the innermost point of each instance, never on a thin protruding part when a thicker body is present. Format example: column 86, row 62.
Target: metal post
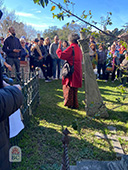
column 65, row 159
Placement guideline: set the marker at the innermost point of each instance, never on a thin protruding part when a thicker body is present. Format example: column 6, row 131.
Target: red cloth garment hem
column 70, row 96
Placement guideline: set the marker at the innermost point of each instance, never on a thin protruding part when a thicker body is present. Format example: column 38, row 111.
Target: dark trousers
column 49, row 65
column 39, row 63
column 16, row 62
column 56, row 62
column 43, row 68
column 103, row 68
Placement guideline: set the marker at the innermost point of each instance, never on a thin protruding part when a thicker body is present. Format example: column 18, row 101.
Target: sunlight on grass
column 81, row 92
column 61, row 97
column 41, row 143
column 79, row 112
column 46, row 124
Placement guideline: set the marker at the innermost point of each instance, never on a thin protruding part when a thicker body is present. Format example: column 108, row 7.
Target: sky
column 41, row 18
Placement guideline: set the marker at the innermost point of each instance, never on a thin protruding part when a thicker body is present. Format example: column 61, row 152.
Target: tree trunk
column 93, row 101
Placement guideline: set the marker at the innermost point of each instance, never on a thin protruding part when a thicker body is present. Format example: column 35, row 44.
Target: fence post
column 65, row 158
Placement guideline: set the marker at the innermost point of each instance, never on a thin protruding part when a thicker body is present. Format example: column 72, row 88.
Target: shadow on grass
column 41, row 142
column 52, row 109
column 42, row 148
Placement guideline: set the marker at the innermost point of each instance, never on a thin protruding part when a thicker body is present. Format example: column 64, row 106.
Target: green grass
column 41, row 141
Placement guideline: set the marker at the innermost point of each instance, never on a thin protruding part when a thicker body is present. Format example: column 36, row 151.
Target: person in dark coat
column 43, row 61
column 49, row 62
column 10, row 100
column 101, row 62
column 12, row 48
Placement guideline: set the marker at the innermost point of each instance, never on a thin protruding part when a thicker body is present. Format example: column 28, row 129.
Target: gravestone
column 92, row 165
column 93, row 101
column 102, row 165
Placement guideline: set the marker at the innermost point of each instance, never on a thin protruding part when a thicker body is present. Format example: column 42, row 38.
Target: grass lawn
column 41, row 142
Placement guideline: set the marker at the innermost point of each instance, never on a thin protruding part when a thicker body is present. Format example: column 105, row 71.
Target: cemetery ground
column 41, row 140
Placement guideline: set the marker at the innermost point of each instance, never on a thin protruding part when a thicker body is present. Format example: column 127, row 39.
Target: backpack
column 67, row 69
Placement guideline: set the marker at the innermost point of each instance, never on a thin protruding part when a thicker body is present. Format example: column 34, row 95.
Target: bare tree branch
column 83, row 20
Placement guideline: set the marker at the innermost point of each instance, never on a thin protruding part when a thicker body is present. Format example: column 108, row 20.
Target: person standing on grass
column 122, row 51
column 114, row 62
column 72, row 83
column 12, row 48
column 49, row 63
column 55, row 59
column 44, row 54
column 101, row 62
column 124, row 70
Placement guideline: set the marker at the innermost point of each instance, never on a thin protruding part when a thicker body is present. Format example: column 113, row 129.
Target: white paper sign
column 15, row 124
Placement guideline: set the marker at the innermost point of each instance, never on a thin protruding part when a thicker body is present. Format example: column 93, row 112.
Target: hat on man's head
column 36, row 40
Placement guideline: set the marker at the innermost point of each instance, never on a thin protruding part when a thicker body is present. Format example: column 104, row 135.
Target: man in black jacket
column 10, row 100
column 12, row 48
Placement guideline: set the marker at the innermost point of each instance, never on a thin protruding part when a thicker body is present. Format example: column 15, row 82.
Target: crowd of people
column 49, row 57
column 42, row 53
column 112, row 61
column 37, row 53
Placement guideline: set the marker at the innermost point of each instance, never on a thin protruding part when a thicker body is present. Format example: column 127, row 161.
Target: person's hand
column 59, row 46
column 16, row 50
column 18, row 86
column 9, row 67
column 5, row 84
column 40, row 57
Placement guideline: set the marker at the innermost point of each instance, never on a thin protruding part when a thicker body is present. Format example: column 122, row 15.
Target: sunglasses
column 22, row 42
